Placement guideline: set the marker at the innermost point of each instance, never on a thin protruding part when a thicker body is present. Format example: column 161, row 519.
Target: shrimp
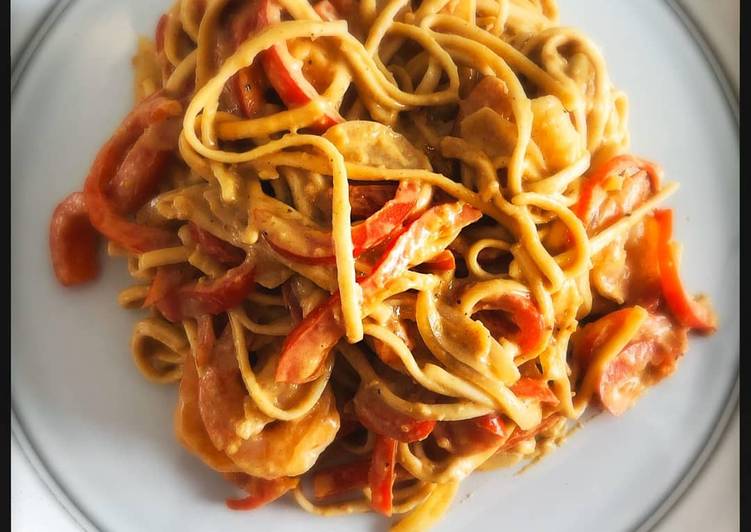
column 189, row 426
column 257, row 444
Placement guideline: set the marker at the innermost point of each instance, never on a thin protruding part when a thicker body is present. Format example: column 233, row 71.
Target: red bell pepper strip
column 340, row 479
column 73, row 242
column 316, row 247
column 208, row 297
column 614, row 166
column 284, row 72
column 216, row 248
column 143, row 168
column 493, row 424
column 379, row 417
column 381, row 475
column 168, row 278
column 261, row 491
column 308, row 344
column 103, row 212
column 537, row 389
column 249, row 84
column 686, row 310
column 367, row 199
column 525, row 387
column 520, row 321
column 520, row 435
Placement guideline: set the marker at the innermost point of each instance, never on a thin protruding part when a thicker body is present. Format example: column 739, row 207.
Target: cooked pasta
column 382, row 244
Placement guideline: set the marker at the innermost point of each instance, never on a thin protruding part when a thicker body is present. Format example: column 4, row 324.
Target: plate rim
column 658, row 512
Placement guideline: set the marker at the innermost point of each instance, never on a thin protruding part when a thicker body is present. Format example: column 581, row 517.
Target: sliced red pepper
column 365, row 199
column 529, row 388
column 284, row 72
column 216, row 248
column 208, row 297
column 249, row 84
column 520, row 320
column 73, row 242
column 343, row 478
column 381, row 475
column 261, row 491
column 340, row 479
column 493, row 424
column 525, row 387
column 316, row 247
column 307, row 346
column 103, row 212
column 471, row 436
column 687, row 311
column 614, row 166
column 520, row 435
column 379, row 417
column 144, row 166
column 167, row 279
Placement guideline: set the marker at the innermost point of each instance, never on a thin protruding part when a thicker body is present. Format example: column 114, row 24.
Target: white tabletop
column 712, row 502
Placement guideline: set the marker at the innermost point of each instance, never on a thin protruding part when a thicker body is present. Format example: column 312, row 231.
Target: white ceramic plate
column 104, row 435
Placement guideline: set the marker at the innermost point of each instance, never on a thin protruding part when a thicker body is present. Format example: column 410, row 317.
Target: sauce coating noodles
column 382, row 243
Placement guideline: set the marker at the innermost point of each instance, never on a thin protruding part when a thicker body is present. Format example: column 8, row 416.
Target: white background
column 712, row 503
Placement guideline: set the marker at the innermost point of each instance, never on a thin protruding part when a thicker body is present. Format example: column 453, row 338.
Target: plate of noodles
column 372, row 265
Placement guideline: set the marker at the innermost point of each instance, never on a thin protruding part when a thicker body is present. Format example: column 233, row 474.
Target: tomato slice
column 584, row 208
column 316, row 247
column 284, row 72
column 381, row 475
column 73, row 242
column 216, row 248
column 687, row 311
column 103, row 212
column 307, row 346
column 519, row 320
column 260, row 491
column 208, row 297
column 379, row 417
